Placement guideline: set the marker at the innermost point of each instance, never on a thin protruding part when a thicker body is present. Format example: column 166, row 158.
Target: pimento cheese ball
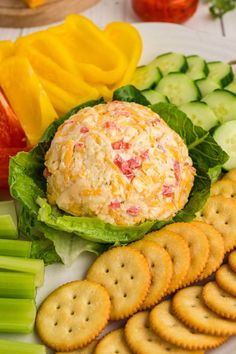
column 120, row 162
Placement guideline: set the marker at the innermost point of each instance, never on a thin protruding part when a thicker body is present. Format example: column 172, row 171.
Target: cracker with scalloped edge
column 216, row 244
column 161, row 269
column 89, row 349
column 226, row 279
column 169, row 328
column 232, row 260
column 125, row 274
column 198, row 245
column 220, row 212
column 142, row 340
column 189, row 308
column 113, row 342
column 73, row 315
column 179, row 253
column 225, row 187
column 219, row 301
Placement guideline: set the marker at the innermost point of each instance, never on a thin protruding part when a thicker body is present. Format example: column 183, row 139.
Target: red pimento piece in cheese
column 115, row 204
column 84, row 130
column 46, row 173
column 167, row 191
column 110, row 125
column 133, row 210
column 79, row 145
column 120, row 145
column 177, row 171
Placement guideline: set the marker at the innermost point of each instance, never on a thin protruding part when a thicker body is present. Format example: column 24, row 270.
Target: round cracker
column 73, row 315
column 216, row 243
column 220, row 212
column 219, row 301
column 113, row 342
column 161, row 269
column 169, row 328
column 231, row 175
column 226, row 279
column 142, row 340
column 124, row 272
column 189, row 308
column 226, row 188
column 179, row 252
column 198, row 245
column 89, row 349
column 232, row 260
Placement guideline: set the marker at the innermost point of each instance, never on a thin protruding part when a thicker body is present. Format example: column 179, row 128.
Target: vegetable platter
column 157, row 39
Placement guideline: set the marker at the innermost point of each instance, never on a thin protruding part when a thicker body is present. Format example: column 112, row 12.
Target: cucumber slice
column 225, row 136
column 146, row 77
column 200, row 114
column 179, row 88
column 197, row 67
column 154, row 97
column 223, row 104
column 170, row 62
column 220, row 72
column 232, row 86
column 207, row 86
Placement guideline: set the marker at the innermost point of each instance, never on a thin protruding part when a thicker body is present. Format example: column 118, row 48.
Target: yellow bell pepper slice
column 27, row 97
column 47, row 69
column 62, row 101
column 6, row 49
column 96, row 57
column 128, row 40
column 34, row 3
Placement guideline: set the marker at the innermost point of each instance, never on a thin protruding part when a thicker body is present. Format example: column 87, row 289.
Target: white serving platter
column 157, row 38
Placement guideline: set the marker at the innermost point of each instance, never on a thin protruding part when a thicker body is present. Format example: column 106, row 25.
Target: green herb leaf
column 219, row 7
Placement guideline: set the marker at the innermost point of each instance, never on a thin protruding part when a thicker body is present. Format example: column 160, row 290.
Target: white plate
column 157, row 38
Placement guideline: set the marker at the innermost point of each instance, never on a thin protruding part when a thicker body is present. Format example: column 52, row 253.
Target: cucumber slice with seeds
column 207, row 86
column 225, row 136
column 220, row 72
column 170, row 62
column 146, row 77
column 200, row 114
column 232, row 86
column 197, row 67
column 223, row 103
column 154, row 97
column 179, row 88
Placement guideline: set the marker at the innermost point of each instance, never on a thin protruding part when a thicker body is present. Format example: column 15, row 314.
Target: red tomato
column 11, row 132
column 5, row 154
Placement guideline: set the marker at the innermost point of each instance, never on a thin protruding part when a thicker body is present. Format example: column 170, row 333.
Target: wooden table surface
column 121, row 10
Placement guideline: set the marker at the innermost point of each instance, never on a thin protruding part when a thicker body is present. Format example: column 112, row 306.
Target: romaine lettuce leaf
column 58, row 236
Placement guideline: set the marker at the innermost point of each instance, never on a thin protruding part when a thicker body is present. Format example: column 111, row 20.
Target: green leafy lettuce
column 60, row 237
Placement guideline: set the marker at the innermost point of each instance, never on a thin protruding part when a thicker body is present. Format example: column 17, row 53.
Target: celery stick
column 15, row 248
column 17, row 285
column 8, row 220
column 12, row 347
column 17, row 315
column 25, row 265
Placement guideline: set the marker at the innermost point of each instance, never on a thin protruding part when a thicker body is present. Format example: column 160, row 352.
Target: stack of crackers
column 125, row 280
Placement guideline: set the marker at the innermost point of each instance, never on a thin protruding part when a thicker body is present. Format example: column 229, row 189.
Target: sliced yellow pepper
column 96, row 57
column 47, row 69
column 27, row 97
column 34, row 3
column 6, row 49
column 62, row 101
column 128, row 40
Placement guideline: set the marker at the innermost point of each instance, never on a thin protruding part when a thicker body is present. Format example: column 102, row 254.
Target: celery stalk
column 17, row 315
column 17, row 285
column 12, row 347
column 8, row 220
column 15, row 248
column 25, row 265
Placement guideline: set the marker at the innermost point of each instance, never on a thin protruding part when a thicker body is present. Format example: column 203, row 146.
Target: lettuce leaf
column 58, row 236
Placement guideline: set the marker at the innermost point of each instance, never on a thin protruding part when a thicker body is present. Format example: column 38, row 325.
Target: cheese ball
column 119, row 162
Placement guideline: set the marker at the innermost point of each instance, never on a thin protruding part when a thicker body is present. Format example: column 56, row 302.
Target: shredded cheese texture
column 120, row 162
